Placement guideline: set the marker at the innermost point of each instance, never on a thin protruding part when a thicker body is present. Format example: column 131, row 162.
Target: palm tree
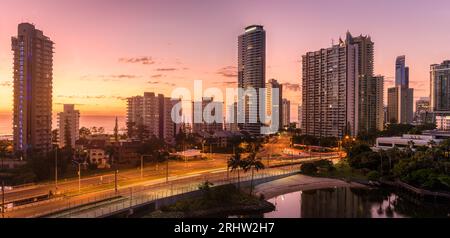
column 235, row 164
column 252, row 163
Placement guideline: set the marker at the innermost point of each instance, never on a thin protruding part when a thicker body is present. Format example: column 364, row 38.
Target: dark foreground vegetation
column 426, row 167
column 220, row 201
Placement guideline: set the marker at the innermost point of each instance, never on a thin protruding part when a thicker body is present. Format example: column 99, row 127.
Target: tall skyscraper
column 330, row 91
column 440, row 87
column 286, row 118
column 169, row 128
column 401, row 72
column 400, row 105
column 401, row 98
column 270, row 107
column 68, row 121
column 33, row 76
column 204, row 125
column 368, row 94
column 299, row 117
column 423, row 109
column 135, row 117
column 252, row 73
column 150, row 115
column 378, row 101
column 232, row 118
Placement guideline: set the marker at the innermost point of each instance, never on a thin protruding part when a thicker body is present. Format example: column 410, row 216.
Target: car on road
column 7, row 188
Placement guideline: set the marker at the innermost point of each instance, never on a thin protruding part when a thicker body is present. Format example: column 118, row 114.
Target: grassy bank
column 216, row 202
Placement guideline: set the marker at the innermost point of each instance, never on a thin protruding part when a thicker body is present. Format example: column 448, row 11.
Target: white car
column 7, row 188
column 7, row 206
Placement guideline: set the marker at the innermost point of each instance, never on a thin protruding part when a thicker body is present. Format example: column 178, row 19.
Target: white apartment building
column 270, row 107
column 68, row 121
column 443, row 123
column 330, row 91
column 153, row 113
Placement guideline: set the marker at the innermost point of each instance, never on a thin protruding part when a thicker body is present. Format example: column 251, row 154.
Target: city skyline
column 164, row 62
column 224, row 109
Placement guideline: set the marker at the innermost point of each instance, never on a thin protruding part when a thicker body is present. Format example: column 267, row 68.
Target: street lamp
column 79, row 175
column 56, row 169
column 116, row 171
column 142, row 166
column 56, row 163
column 3, row 199
column 211, row 150
column 167, row 170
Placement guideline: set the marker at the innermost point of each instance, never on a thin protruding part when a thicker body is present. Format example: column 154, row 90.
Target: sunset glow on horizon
column 106, row 50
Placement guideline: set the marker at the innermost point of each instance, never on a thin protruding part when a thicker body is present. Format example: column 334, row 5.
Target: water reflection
column 351, row 203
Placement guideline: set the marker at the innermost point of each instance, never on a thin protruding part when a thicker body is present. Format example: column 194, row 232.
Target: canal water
column 352, row 203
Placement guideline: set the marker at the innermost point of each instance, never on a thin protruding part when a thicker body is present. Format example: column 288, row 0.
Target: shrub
column 206, row 189
column 324, row 164
column 224, row 194
column 368, row 159
column 309, row 168
column 373, row 175
column 357, row 149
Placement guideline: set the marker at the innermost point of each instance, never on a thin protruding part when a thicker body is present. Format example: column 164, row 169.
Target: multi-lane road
column 150, row 172
column 98, row 187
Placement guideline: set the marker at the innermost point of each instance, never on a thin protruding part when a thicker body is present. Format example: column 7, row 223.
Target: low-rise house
column 97, row 154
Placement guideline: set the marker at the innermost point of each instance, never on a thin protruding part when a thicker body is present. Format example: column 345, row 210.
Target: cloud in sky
column 145, row 60
column 419, row 86
column 111, row 77
column 91, row 97
column 227, row 83
column 122, row 76
column 389, row 80
column 157, row 76
column 166, row 69
column 292, row 86
column 228, row 72
column 76, row 104
column 162, row 83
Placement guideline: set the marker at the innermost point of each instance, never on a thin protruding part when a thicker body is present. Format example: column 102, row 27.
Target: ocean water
column 107, row 122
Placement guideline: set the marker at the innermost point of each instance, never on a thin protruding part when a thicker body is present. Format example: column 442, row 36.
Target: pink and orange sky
column 107, row 50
